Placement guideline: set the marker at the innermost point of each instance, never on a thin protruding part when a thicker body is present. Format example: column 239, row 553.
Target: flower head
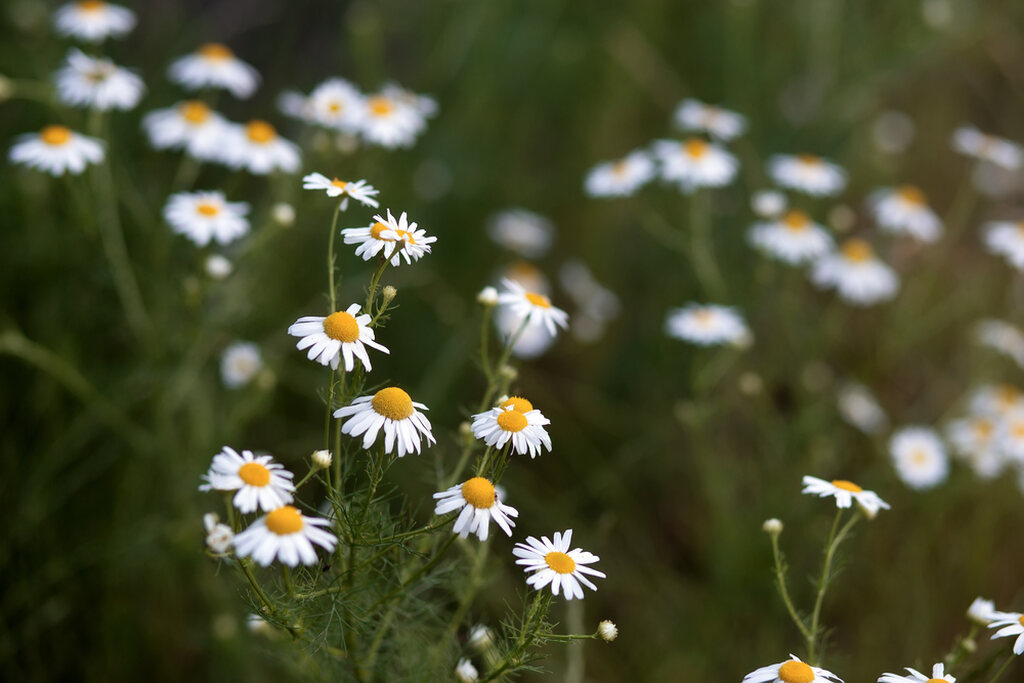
column 336, row 104
column 342, row 334
column 219, row 537
column 257, row 148
column 860, row 408
column 707, row 325
column 93, row 21
column 972, row 142
column 537, row 307
column 845, row 492
column 791, row 671
column 524, row 232
column 191, row 126
column 214, row 65
column 477, row 502
column 695, row 163
column 620, row 178
column 807, row 173
column 391, row 410
column 394, row 117
column 607, row 631
column 287, row 535
column 1006, row 239
column 97, row 83
column 981, row 611
column 1009, row 624
column 465, row 672
column 856, row 274
column 551, row 562
column 56, row 150
column 394, row 238
column 792, row 238
column 358, row 190
column 516, row 420
column 239, row 364
column 919, row 457
column 205, row 216
column 259, row 481
column 905, row 211
column 938, row 675
column 694, row 115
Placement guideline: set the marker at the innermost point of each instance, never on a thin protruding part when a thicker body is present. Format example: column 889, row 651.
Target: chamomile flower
column 859, row 408
column 807, row 173
column 93, row 21
column 259, row 481
column 205, row 216
column 191, row 126
column 856, row 274
column 524, row 232
column 1006, row 239
column 694, row 115
column 551, row 562
column 239, row 364
column 341, row 334
column 1003, row 337
column 972, row 142
column 1009, row 624
column 531, row 305
column 336, row 104
column 478, row 504
column 793, row 238
column 768, row 203
column 905, row 211
column 215, row 66
column 695, row 163
column 791, row 671
column 919, row 457
column 845, row 492
column 389, row 235
column 257, row 148
column 97, row 83
column 391, row 120
column 56, row 150
column 974, row 440
column 294, row 104
column 620, row 178
column 359, row 190
column 514, row 420
column 1010, row 435
column 393, row 411
column 939, row 675
column 287, row 535
column 707, row 325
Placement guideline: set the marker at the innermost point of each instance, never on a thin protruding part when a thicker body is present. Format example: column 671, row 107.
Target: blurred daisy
column 219, row 537
column 974, row 440
column 695, row 163
column 531, row 305
column 215, row 66
column 521, row 231
column 845, row 492
column 296, row 105
column 794, row 238
column 1006, row 238
column 465, row 672
column 720, row 123
column 597, row 305
column 996, row 399
column 359, row 190
column 424, row 105
column 259, row 481
column 218, row 267
column 205, row 216
column 905, row 211
column 287, row 535
column 1009, row 624
column 258, row 148
column 56, row 150
column 97, row 83
column 620, row 178
column 478, row 504
column 1010, row 435
column 768, row 203
column 336, row 104
column 507, row 422
column 707, row 325
column 791, row 671
column 384, row 236
column 93, row 21
column 981, row 611
column 341, row 334
column 392, row 410
column 807, row 173
column 939, row 675
column 391, row 121
column 551, row 562
column 239, row 364
column 189, row 125
column 856, row 274
column 919, row 457
column 972, row 142
column 1003, row 337
column 859, row 408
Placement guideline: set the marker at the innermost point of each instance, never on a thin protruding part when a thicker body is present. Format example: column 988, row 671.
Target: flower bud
column 466, row 430
column 772, row 527
column 322, row 459
column 488, row 296
column 607, row 631
column 219, row 537
column 465, row 672
column 481, row 638
column 969, row 645
column 389, row 293
column 284, row 214
column 508, row 372
column 218, row 267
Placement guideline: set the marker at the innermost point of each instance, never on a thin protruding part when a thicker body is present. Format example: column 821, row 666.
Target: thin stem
column 417, row 574
column 332, row 290
column 701, row 250
column 312, row 470
column 1010, row 656
column 286, row 576
column 780, row 581
column 834, row 542
column 371, row 293
column 244, row 564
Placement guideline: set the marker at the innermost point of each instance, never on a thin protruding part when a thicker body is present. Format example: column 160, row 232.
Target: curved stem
column 834, row 542
column 1010, row 656
column 780, row 581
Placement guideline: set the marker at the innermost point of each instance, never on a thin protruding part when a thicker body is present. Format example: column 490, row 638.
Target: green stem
column 780, row 581
column 244, row 564
column 702, row 252
column 1010, row 656
column 834, row 542
column 312, row 470
column 417, row 574
column 332, row 290
column 286, row 576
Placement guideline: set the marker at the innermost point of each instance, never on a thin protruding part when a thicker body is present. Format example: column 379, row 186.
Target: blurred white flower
column 336, row 104
column 218, row 536
column 1003, row 337
column 1006, row 239
column 191, row 126
column 524, row 232
column 93, row 21
column 905, row 211
column 97, row 83
column 359, row 190
column 239, row 364
column 694, row 115
column 969, row 141
column 56, row 150
column 860, row 408
column 768, row 203
column 707, row 325
column 465, row 672
column 807, row 173
column 981, row 611
column 218, row 267
column 695, row 163
column 214, row 65
column 596, row 305
column 620, row 178
column 793, row 238
column 919, row 457
column 205, row 216
column 257, row 148
column 856, row 274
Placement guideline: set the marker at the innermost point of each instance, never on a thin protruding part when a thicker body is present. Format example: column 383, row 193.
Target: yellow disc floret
column 796, row 221
column 538, row 300
column 857, row 250
column 696, row 148
column 194, row 111
column 56, row 135
column 380, row 106
column 340, row 184
column 795, row 672
column 560, row 562
column 260, row 131
column 254, row 474
column 846, row 485
column 808, row 159
column 341, row 326
column 216, row 51
column 512, row 421
column 392, row 403
column 91, row 5
column 912, row 195
column 517, row 403
column 479, row 493
column 208, row 209
column 285, row 520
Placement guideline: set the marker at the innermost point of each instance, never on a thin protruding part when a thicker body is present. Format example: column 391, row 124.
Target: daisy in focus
column 336, row 104
column 939, row 675
column 707, row 325
column 341, row 334
column 259, row 481
column 358, row 190
column 97, row 83
column 393, row 411
column 971, row 142
column 807, row 173
column 93, row 21
column 694, row 115
column 1002, row 337
column 191, row 126
column 919, row 457
column 856, row 274
column 56, row 150
column 257, row 148
column 695, row 163
column 551, row 562
column 527, row 305
column 791, row 671
column 845, row 492
column 794, row 238
column 392, row 119
column 478, row 504
column 287, row 535
column 215, row 66
column 239, row 364
column 388, row 236
column 905, row 211
column 205, row 216
column 516, row 420
column 524, row 232
column 1006, row 239
column 859, row 408
column 620, row 178
column 1009, row 624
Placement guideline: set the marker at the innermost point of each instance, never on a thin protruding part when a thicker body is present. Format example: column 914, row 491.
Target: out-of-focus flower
column 56, row 150
column 465, row 672
column 97, row 83
column 93, row 21
column 620, row 178
column 860, row 408
column 219, row 537
column 981, row 611
column 919, row 457
column 205, row 216
column 694, row 115
column 768, row 203
column 214, row 65
column 336, row 104
column 970, row 141
column 695, row 163
column 707, row 325
column 905, row 211
column 218, row 267
column 394, row 117
column 807, row 173
column 257, row 148
column 596, row 305
column 191, row 126
column 1003, row 337
column 856, row 274
column 524, row 232
column 1006, row 238
column 794, row 238
column 239, row 364
column 892, row 131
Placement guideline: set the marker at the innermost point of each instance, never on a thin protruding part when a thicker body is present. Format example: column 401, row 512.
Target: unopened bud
column 488, row 296
column 219, row 537
column 322, row 459
column 508, row 372
column 465, row 672
column 607, row 630
column 284, row 214
column 772, row 527
column 389, row 293
column 466, row 429
column 481, row 638
column 218, row 267
column 969, row 645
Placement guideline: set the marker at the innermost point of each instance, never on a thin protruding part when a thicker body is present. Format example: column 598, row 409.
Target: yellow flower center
column 1017, row 431
column 912, row 195
column 696, row 148
column 983, row 428
column 392, row 403
column 340, row 184
column 378, row 228
column 857, row 250
column 1007, row 395
column 194, row 111
column 260, row 131
column 810, row 160
column 619, row 168
column 795, row 672
column 380, row 106
column 560, row 562
column 334, row 106
column 285, row 520
column 919, row 456
column 341, row 326
column 512, row 421
column 254, row 474
column 479, row 493
column 518, row 403
column 216, row 51
column 846, row 485
column 936, row 680
column 704, row 317
column 56, row 135
column 538, row 300
column 1021, row 620
column 91, row 5
column 208, row 209
column 796, row 221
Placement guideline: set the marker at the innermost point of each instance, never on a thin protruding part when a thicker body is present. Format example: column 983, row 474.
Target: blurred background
column 667, row 457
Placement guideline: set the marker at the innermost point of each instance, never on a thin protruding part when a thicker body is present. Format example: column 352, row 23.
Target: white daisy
column 341, row 334
column 793, row 238
column 707, row 325
column 620, row 178
column 1006, row 238
column 996, row 399
column 845, row 493
column 919, row 457
column 424, row 105
column 202, row 216
column 856, row 274
column 191, row 126
column 294, row 104
column 695, row 163
column 553, row 563
column 391, row 120
column 56, row 150
column 479, row 504
column 1003, row 337
column 465, row 672
column 93, row 20
column 359, row 190
column 258, row 148
column 239, row 364
column 215, row 66
column 974, row 440
column 860, row 409
column 387, row 235
column 768, row 203
column 97, row 83
column 219, row 537
column 287, row 535
column 1010, row 435
column 1009, row 624
column 524, row 232
column 336, row 104
column 393, row 410
column 260, row 482
column 791, row 671
column 981, row 611
column 514, row 420
column 720, row 123
column 972, row 142
column 537, row 307
column 905, row 211
column 807, row 173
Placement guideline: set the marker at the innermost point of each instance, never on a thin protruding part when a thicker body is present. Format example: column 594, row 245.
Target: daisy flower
column 620, row 178
column 707, row 325
column 845, row 492
column 336, row 104
column 793, row 238
column 258, row 148
column 93, row 21
column 191, row 126
column 553, row 563
column 972, row 142
column 860, row 409
column 287, row 535
column 515, row 420
column 791, row 671
column 97, row 83
column 996, row 399
column 1009, row 624
column 260, row 482
column 807, row 173
column 214, row 66
column 391, row 121
column 524, row 232
column 295, row 105
column 56, row 150
column 218, row 267
column 1003, row 337
column 239, row 364
column 1010, row 435
column 202, row 216
column 389, row 236
column 720, row 123
column 905, row 211
column 219, row 537
column 695, row 163
column 341, row 334
column 974, row 440
column 478, row 504
column 981, row 611
column 359, row 190
column 856, row 274
column 531, row 305
column 1006, row 239
column 392, row 410
column 919, row 457
column 768, row 203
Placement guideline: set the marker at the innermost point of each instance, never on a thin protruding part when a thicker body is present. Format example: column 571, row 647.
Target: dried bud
column 772, row 527
column 322, row 459
column 607, row 631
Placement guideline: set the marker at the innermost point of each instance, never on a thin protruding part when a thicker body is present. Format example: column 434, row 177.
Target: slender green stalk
column 332, row 290
column 834, row 541
column 1010, row 656
column 701, row 250
column 244, row 565
column 286, row 576
column 312, row 470
column 780, row 582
